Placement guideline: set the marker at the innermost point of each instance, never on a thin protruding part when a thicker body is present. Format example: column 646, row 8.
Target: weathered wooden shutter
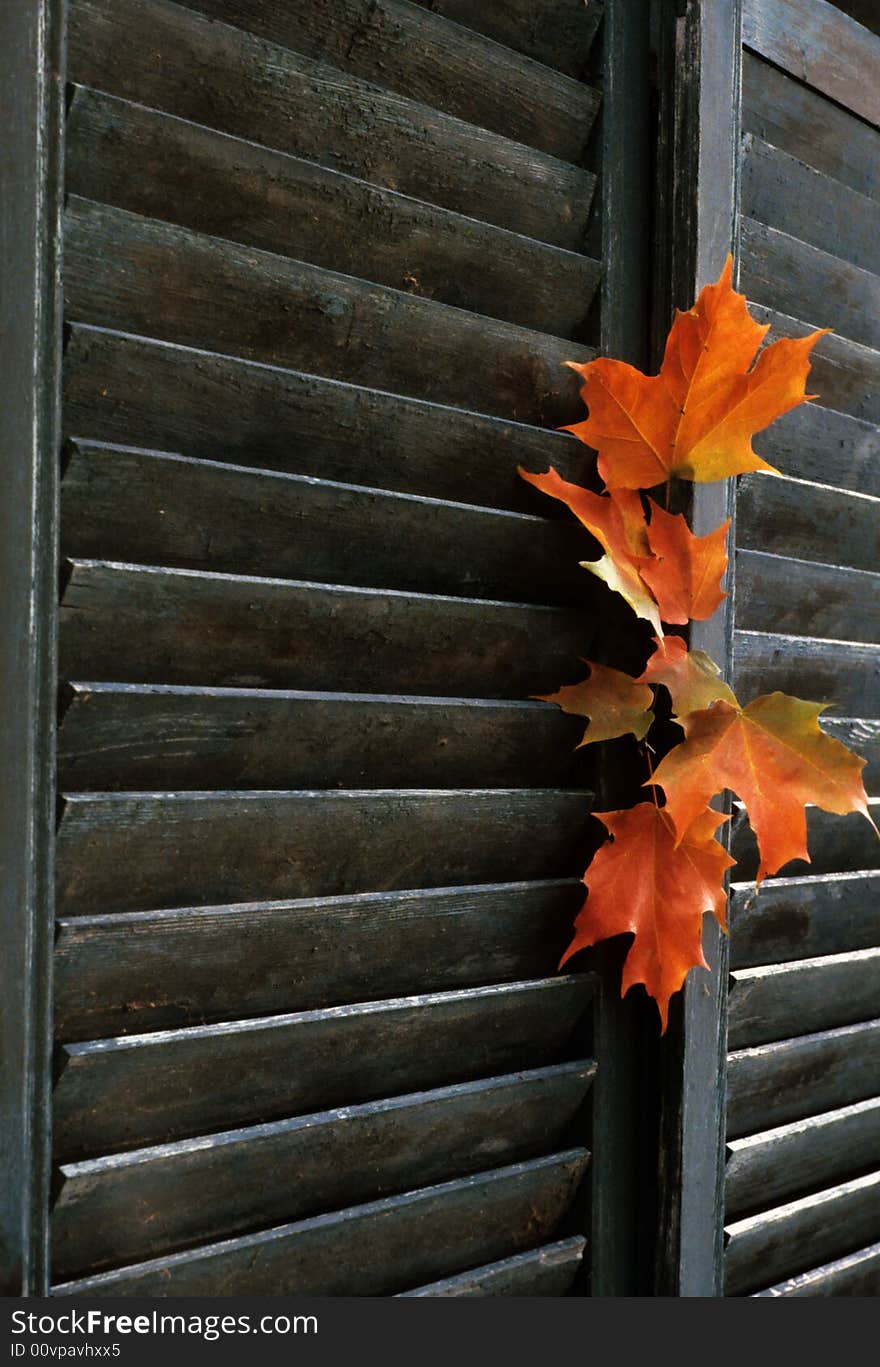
column 803, row 1171
column 316, row 850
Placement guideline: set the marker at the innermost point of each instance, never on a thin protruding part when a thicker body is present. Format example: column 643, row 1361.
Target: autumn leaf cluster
column 663, row 868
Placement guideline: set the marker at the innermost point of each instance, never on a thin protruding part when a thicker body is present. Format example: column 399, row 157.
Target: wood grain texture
column 159, row 970
column 137, row 1205
column 803, row 598
column 371, row 1250
column 164, row 55
column 268, row 308
column 765, row 1169
column 837, row 844
column 417, row 53
column 786, row 193
column 818, row 444
column 839, row 672
column 808, row 521
column 128, row 737
column 862, row 736
column 137, row 852
column 153, row 508
column 780, row 1001
column 844, row 374
column 547, row 1271
column 218, row 407
column 804, row 917
column 803, row 123
column 263, row 198
column 818, row 44
column 855, row 1274
column 124, row 1093
column 794, row 278
column 791, row 1238
column 559, row 35
column 773, row 1084
column 234, row 631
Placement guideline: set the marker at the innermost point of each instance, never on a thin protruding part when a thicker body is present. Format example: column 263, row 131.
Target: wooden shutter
column 803, row 1172
column 316, row 856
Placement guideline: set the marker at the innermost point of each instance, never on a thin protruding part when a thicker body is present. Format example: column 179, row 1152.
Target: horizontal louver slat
column 136, row 1205
column 424, row 1234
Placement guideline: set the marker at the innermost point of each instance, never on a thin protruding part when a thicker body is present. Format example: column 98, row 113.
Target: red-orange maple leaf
column 697, row 417
column 685, row 572
column 617, row 521
column 657, row 888
column 773, row 754
column 692, row 677
column 613, row 702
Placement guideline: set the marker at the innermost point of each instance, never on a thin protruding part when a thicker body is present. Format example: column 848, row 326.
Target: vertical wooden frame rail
column 31, row 50
column 698, row 176
column 626, row 224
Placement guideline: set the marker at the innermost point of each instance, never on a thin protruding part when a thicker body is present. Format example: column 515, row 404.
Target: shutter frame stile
column 618, row 1156
column 701, row 78
column 31, row 70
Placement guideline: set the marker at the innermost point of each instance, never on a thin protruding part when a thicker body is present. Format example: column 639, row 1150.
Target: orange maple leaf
column 697, row 417
column 613, row 702
column 647, row 882
column 617, row 521
column 685, row 572
column 692, row 677
column 774, row 755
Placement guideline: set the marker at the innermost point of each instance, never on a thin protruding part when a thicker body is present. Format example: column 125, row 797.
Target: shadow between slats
column 808, row 522
column 217, row 407
column 151, row 1088
column 844, row 374
column 820, row 445
column 840, row 672
column 780, row 1001
column 793, row 1237
column 801, row 918
column 789, row 195
column 821, row 46
column 785, row 274
column 806, row 125
column 156, row 508
column 419, row 54
column 268, row 308
column 264, row 198
column 856, row 1274
column 168, row 57
column 371, row 1250
column 837, row 844
column 800, row 597
column 547, row 1271
column 142, row 851
column 115, row 975
column 559, row 36
column 127, row 737
column 773, row 1084
column 764, row 1169
column 241, row 631
column 137, row 1205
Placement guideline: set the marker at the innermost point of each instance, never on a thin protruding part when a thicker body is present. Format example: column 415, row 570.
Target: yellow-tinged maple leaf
column 774, row 755
column 684, row 573
column 647, row 882
column 617, row 521
column 692, row 677
column 613, row 702
column 697, row 417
